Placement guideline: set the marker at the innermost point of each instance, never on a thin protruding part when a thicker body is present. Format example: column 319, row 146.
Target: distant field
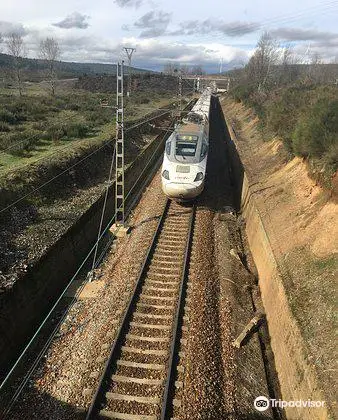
column 38, row 126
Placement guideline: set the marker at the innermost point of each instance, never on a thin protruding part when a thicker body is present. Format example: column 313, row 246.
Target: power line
column 75, row 164
column 287, row 18
column 50, row 180
column 3, row 151
column 42, row 352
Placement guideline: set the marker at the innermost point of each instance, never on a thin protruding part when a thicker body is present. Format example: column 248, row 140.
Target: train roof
column 200, row 111
column 190, row 128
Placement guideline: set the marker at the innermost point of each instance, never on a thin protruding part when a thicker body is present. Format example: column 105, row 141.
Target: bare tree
column 261, row 63
column 50, row 52
column 315, row 69
column 1, row 39
column 170, row 68
column 197, row 70
column 16, row 48
column 288, row 69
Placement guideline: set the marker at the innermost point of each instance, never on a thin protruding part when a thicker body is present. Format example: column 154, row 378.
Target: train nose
column 182, row 191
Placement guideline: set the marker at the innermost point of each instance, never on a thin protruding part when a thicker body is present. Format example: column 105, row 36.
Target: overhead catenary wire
column 51, row 179
column 72, row 166
column 12, row 146
column 42, row 352
column 287, row 18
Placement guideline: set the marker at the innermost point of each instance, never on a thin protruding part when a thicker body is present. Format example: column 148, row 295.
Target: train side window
column 168, row 148
column 204, row 150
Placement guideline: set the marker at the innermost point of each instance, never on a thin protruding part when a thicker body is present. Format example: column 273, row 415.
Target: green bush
column 55, row 132
column 99, row 117
column 7, row 117
column 317, row 131
column 141, row 99
column 19, row 143
column 4, row 127
column 40, row 126
column 242, row 92
column 331, row 157
column 76, row 130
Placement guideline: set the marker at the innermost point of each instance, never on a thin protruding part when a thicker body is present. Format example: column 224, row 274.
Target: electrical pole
column 129, row 51
column 198, row 84
column 180, row 92
column 119, row 156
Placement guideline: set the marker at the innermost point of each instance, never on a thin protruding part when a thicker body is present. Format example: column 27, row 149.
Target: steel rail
column 93, row 411
column 4, row 411
column 99, row 394
column 166, row 411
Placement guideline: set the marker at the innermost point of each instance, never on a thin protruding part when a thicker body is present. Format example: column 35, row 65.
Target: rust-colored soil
column 302, row 226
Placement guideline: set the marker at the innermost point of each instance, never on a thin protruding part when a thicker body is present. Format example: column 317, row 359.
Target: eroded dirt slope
column 301, row 221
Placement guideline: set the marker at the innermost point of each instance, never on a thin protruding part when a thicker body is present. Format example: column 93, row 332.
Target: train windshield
column 185, row 149
column 186, row 146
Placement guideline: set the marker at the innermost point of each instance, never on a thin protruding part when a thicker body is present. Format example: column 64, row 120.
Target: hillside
column 300, row 225
column 34, row 69
column 297, row 104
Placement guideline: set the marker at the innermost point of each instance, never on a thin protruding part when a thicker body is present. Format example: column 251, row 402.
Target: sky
column 214, row 34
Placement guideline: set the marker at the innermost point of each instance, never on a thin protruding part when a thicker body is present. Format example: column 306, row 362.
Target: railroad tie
column 149, row 366
column 150, row 326
column 154, row 316
column 125, row 416
column 151, row 305
column 165, row 298
column 148, row 339
column 142, row 381
column 134, row 398
column 136, row 350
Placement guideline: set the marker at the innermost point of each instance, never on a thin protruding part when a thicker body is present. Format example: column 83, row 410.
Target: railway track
column 140, row 375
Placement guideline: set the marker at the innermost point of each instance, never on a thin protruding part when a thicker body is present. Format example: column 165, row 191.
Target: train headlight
column 199, row 176
column 165, row 174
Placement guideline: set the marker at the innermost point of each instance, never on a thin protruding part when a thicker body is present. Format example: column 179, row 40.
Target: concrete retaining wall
column 24, row 305
column 297, row 378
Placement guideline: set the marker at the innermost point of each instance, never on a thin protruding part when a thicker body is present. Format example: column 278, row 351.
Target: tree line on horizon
column 295, row 101
column 49, row 52
column 272, row 64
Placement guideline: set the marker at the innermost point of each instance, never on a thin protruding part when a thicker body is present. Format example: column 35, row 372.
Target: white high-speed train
column 186, row 153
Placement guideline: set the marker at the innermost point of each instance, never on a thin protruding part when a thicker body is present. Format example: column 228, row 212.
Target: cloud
column 6, row 28
column 150, row 53
column 75, row 20
column 297, row 34
column 210, row 25
column 154, row 23
column 154, row 53
column 129, row 3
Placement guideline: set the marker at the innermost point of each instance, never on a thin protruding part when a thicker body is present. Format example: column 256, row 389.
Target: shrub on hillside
column 57, row 131
column 76, row 130
column 141, row 99
column 7, row 117
column 19, row 143
column 4, row 127
column 316, row 133
column 242, row 92
column 99, row 117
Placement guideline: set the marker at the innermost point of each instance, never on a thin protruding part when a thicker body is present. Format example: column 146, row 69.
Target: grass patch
column 37, row 126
